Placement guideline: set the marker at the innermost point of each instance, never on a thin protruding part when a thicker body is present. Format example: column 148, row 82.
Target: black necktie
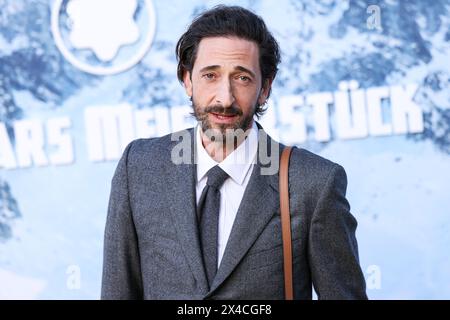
column 208, row 208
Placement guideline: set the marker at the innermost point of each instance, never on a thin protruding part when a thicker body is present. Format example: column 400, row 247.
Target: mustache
column 221, row 110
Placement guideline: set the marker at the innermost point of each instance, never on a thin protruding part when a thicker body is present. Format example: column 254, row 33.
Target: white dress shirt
column 238, row 165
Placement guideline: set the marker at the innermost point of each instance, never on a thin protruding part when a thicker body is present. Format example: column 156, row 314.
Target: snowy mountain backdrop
column 54, row 183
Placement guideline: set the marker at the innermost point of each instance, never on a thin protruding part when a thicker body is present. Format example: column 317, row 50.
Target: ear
column 187, row 83
column 265, row 90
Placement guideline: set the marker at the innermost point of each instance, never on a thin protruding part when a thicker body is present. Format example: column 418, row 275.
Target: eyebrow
column 240, row 68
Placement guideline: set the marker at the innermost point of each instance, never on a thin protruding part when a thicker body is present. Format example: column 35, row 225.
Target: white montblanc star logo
column 102, row 25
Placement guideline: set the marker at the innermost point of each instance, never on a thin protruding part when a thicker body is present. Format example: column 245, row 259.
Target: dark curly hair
column 229, row 21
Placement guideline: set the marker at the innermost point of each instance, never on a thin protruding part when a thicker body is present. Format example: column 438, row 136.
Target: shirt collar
column 236, row 164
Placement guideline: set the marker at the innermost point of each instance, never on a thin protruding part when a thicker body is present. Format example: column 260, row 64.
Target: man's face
column 225, row 84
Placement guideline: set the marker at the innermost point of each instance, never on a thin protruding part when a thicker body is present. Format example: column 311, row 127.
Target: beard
column 222, row 131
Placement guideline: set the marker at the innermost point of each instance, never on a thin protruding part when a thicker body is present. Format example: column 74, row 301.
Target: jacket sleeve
column 121, row 263
column 332, row 245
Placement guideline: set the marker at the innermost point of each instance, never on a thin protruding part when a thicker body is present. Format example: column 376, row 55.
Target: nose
column 224, row 94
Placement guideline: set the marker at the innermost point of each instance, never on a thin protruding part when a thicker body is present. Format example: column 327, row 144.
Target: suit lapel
column 182, row 202
column 259, row 203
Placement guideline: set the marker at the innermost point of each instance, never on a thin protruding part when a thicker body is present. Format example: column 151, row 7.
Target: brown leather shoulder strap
column 286, row 222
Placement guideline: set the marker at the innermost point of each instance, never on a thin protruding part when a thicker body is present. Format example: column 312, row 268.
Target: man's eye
column 244, row 78
column 209, row 76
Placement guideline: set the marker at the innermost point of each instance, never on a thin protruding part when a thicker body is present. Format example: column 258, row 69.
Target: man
column 196, row 223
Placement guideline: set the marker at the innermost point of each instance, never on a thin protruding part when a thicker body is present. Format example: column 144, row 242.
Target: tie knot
column 216, row 177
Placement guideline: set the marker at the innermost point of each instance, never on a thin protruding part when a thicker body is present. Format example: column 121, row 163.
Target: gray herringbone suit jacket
column 152, row 248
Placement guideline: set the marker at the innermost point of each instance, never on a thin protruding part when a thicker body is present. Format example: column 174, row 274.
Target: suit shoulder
column 310, row 167
column 312, row 161
column 154, row 148
column 311, row 174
